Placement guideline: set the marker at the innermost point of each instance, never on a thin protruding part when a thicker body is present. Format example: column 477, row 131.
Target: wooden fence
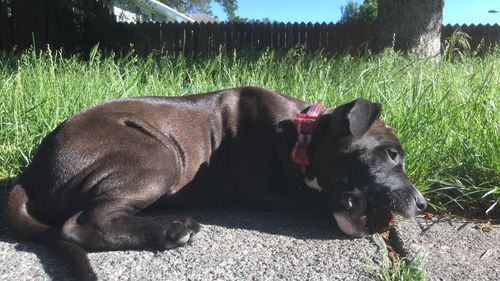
column 47, row 22
column 209, row 39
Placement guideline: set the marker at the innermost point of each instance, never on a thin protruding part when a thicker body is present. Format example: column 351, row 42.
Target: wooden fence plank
column 494, row 35
column 323, row 36
column 275, row 36
column 169, row 36
column 313, row 37
column 195, row 44
column 331, row 38
column 247, row 28
column 278, row 33
column 210, row 39
column 178, row 37
column 295, row 35
column 266, row 36
column 156, row 34
column 203, row 50
column 229, row 37
column 289, row 35
column 253, row 36
column 219, row 37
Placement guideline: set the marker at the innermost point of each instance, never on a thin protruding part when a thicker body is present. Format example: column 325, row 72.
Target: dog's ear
column 362, row 115
column 354, row 118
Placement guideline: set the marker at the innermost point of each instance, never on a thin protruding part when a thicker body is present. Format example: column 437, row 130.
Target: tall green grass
column 446, row 114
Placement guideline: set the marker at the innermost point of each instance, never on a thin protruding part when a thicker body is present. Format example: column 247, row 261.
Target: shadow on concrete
column 297, row 224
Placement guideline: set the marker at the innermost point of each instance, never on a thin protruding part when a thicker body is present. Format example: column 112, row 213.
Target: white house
column 145, row 10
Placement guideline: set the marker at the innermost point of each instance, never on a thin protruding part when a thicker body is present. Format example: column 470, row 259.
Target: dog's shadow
column 296, row 224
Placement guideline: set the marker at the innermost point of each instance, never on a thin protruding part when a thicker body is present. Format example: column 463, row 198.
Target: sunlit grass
column 405, row 270
column 446, row 114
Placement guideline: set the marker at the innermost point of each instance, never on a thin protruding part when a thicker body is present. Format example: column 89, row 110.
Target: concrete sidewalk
column 453, row 249
column 240, row 245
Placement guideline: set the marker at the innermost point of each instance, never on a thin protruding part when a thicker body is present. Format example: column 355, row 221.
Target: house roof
column 161, row 10
column 203, row 18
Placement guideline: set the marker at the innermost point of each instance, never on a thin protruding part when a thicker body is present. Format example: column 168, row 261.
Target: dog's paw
column 179, row 232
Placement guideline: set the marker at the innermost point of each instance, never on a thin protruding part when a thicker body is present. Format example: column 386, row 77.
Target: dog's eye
column 392, row 153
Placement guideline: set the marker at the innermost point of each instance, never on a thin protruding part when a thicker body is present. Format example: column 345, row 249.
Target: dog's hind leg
column 113, row 225
column 111, row 220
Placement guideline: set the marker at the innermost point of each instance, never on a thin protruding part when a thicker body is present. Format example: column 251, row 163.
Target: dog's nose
column 420, row 201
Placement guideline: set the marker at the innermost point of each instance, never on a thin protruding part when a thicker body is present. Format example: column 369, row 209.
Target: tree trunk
column 410, row 25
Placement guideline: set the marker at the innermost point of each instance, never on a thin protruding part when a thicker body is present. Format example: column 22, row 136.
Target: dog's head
column 358, row 164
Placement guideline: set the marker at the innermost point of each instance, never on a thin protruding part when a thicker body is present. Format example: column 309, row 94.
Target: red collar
column 305, row 123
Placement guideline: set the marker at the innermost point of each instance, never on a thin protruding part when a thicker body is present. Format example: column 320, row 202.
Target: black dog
column 95, row 173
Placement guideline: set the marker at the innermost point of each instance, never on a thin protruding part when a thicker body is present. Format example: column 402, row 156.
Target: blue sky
column 455, row 11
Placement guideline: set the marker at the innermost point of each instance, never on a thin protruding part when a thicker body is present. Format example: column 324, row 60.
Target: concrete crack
column 394, row 245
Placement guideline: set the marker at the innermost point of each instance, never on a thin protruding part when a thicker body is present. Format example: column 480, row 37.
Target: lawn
column 446, row 114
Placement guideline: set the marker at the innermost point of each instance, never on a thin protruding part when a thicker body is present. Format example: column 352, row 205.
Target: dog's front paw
column 179, row 232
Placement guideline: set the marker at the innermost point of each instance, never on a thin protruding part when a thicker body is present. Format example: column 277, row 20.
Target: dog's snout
column 420, row 201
